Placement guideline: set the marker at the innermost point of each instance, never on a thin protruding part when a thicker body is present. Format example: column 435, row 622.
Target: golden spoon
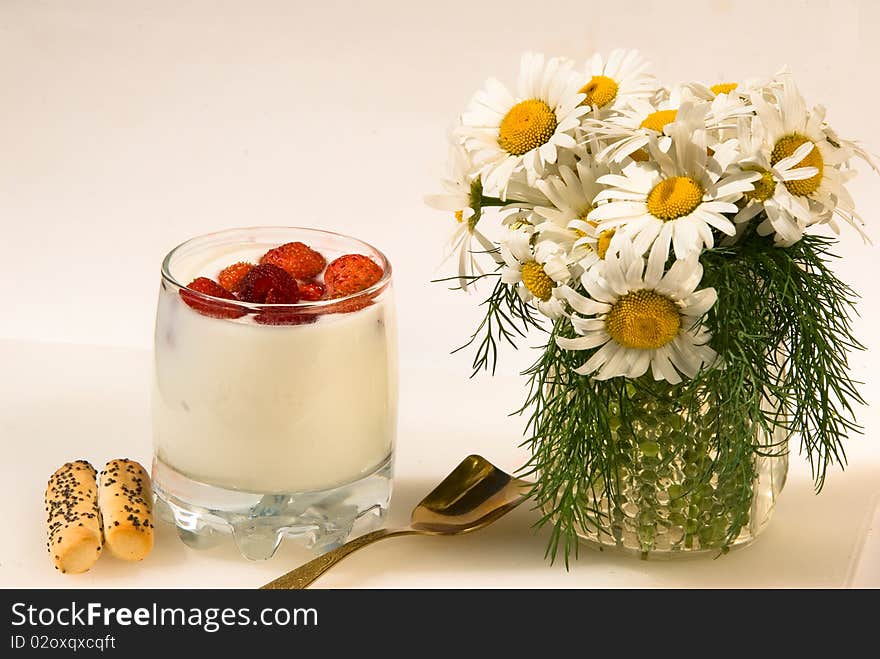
column 474, row 495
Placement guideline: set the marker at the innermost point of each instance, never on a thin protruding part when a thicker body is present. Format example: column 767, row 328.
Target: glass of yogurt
column 272, row 420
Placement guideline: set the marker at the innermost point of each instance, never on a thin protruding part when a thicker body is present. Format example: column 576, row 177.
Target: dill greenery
column 506, row 318
column 782, row 329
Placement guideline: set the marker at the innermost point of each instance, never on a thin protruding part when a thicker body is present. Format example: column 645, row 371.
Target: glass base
column 321, row 520
column 590, row 543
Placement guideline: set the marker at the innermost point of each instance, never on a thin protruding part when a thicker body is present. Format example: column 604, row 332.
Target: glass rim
column 257, row 307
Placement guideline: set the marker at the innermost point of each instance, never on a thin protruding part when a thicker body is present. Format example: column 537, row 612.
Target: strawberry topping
column 274, row 282
column 348, row 306
column 351, row 274
column 298, row 259
column 194, row 294
column 231, row 277
column 311, row 290
column 268, row 284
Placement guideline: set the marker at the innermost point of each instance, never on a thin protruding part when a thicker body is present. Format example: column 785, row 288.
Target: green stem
column 494, row 201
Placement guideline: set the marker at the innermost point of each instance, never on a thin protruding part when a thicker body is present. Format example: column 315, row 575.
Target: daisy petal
column 579, row 303
column 598, row 358
column 700, row 302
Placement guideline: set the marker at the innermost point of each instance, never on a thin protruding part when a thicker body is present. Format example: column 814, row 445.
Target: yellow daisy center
column 604, row 242
column 459, row 216
column 764, row 186
column 674, row 197
column 536, row 281
column 786, row 146
column 644, row 320
column 583, row 217
column 723, row 87
column 657, row 120
column 600, row 91
column 519, row 223
column 526, row 126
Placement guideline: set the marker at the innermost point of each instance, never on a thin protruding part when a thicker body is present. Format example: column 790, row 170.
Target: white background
column 126, row 128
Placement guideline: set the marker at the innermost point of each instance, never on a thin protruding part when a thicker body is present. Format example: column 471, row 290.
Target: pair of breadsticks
column 87, row 511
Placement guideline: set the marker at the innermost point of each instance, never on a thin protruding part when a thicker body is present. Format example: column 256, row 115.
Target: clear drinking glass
column 265, row 430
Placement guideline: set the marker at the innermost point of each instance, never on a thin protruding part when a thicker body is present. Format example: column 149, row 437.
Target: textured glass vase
column 680, row 488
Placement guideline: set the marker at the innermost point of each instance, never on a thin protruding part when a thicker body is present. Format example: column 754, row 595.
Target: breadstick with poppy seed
column 73, row 517
column 126, row 501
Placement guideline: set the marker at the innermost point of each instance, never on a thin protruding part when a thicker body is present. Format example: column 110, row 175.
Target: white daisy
column 520, row 220
column 725, row 88
column 535, row 270
column 570, row 195
column 741, row 90
column 613, row 83
column 786, row 215
column 678, row 198
column 463, row 198
column 627, row 133
column 793, row 138
column 636, row 317
column 462, row 186
column 507, row 133
column 570, row 198
column 725, row 110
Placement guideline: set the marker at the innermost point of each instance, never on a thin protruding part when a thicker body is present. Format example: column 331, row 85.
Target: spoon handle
column 305, row 574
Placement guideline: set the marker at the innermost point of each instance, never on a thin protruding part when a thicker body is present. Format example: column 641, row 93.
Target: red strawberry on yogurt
column 351, row 274
column 298, row 259
column 200, row 295
column 267, row 283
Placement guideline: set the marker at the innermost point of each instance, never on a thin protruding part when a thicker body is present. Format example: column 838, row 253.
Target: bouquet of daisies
column 664, row 237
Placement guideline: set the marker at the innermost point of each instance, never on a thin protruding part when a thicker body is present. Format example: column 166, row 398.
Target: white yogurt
column 272, row 409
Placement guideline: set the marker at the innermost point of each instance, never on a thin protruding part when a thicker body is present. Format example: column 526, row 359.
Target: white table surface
column 63, row 402
column 129, row 127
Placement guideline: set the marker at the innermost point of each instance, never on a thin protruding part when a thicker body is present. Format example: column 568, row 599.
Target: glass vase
column 680, row 487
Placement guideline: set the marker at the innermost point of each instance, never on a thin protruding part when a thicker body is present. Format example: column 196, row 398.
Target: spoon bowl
column 472, row 496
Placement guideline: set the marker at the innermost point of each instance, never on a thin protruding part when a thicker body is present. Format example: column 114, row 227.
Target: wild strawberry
column 268, row 284
column 351, row 274
column 194, row 296
column 231, row 277
column 311, row 290
column 298, row 259
column 348, row 306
